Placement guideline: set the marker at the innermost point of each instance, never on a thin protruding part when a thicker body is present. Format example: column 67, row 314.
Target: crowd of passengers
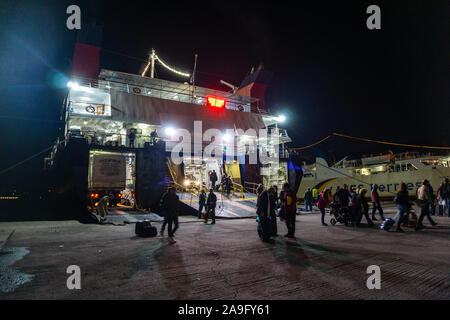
column 354, row 201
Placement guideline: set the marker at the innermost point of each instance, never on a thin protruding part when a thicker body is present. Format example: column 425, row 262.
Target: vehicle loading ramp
column 229, row 208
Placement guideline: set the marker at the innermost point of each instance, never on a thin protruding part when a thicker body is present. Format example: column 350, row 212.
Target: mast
column 152, row 64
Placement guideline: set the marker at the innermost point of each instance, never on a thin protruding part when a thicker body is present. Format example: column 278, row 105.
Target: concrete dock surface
column 227, row 261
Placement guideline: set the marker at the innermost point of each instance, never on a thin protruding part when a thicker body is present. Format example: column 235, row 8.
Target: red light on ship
column 215, row 102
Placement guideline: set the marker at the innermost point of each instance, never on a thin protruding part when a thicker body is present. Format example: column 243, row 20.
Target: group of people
column 357, row 203
column 355, row 200
column 226, row 183
column 268, row 202
column 209, row 204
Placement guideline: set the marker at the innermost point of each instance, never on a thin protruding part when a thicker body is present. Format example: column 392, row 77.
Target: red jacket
column 322, row 203
column 375, row 197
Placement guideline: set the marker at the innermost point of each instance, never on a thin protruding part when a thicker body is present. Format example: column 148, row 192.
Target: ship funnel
column 86, row 56
column 255, row 84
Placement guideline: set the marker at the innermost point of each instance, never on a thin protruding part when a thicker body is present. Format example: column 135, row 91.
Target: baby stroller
column 341, row 214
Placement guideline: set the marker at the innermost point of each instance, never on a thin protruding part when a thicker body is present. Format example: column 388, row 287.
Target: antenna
column 234, row 88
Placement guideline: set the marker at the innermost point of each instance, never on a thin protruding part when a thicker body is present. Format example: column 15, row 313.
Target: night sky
column 330, row 72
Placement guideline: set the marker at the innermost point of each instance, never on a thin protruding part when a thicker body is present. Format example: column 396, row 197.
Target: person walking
column 424, row 202
column 308, row 200
column 211, row 205
column 402, row 202
column 213, row 179
column 322, row 203
column 290, row 207
column 362, row 208
column 170, row 207
column 376, row 203
column 202, row 203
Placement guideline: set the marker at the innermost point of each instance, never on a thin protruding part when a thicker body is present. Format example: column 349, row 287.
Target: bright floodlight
column 170, row 131
column 226, row 137
column 281, row 118
column 72, row 84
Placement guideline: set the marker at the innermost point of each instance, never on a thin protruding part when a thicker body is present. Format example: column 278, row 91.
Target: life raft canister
column 136, row 90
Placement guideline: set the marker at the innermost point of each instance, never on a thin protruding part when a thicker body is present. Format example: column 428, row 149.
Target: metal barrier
column 238, row 187
column 251, row 186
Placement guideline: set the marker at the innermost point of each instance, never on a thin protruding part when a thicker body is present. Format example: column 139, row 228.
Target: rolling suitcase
column 145, row 229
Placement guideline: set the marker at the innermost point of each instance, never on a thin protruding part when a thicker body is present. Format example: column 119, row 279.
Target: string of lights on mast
column 151, row 63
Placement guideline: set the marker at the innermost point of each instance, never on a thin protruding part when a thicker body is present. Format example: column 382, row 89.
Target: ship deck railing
column 182, row 94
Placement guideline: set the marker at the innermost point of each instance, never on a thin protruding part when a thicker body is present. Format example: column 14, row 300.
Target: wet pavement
column 228, row 261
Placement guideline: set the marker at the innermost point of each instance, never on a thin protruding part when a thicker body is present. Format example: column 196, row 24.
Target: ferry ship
column 120, row 130
column 388, row 171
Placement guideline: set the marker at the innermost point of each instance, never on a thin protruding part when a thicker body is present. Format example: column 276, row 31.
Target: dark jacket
column 213, row 177
column 202, row 198
column 308, row 196
column 361, row 203
column 212, row 200
column 170, row 204
column 402, row 198
column 444, row 191
column 264, row 201
column 343, row 196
